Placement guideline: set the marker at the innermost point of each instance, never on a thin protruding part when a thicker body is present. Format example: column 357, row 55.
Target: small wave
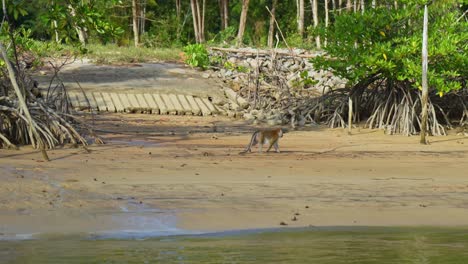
column 18, row 237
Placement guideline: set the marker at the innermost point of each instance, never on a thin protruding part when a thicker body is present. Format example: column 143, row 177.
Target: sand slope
column 189, row 168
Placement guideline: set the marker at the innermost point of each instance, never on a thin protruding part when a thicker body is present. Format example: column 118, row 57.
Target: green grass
column 113, row 54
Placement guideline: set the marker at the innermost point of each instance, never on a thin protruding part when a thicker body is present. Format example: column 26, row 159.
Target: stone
column 248, row 116
column 260, row 116
column 274, row 122
column 253, row 64
column 294, row 67
column 254, row 112
column 232, row 60
column 228, row 73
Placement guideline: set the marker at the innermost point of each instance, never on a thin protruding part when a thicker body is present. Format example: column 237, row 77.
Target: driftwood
column 32, row 126
column 44, row 122
column 263, row 52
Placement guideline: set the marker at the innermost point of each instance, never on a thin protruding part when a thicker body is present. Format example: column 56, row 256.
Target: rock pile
column 271, row 86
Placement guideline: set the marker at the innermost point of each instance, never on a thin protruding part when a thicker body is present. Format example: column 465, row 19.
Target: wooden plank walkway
column 161, row 104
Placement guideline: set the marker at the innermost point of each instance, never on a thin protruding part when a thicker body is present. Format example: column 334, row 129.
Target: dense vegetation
column 379, row 52
column 376, row 45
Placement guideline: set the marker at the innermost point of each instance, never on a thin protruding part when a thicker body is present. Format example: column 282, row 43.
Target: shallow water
column 306, row 245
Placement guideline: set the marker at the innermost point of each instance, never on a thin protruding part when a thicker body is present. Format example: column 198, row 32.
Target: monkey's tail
column 249, row 146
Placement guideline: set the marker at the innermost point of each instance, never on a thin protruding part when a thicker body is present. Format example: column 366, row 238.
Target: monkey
column 265, row 136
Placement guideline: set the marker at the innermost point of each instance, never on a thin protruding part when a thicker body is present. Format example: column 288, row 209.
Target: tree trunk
column 226, row 13
column 178, row 9
column 374, row 3
column 197, row 13
column 221, row 13
column 81, row 32
column 142, row 17
column 243, row 19
column 363, row 6
column 350, row 115
column 202, row 24
column 179, row 14
column 316, row 21
column 425, row 89
column 326, row 19
column 271, row 30
column 300, row 17
column 136, row 36
column 81, row 35
column 195, row 20
column 198, row 20
column 349, row 5
column 57, row 39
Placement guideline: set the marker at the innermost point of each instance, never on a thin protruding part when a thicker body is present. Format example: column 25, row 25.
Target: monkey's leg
column 277, row 147
column 274, row 142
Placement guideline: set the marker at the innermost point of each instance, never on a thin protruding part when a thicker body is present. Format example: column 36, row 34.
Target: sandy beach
column 185, row 173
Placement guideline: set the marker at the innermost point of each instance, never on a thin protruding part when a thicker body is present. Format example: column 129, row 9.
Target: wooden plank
column 109, row 103
column 143, row 104
column 233, row 96
column 178, row 107
column 101, row 104
column 125, row 102
column 116, row 101
column 193, row 105
column 151, row 103
column 134, row 102
column 73, row 99
column 210, row 105
column 185, row 104
column 203, row 107
column 92, row 101
column 162, row 106
column 170, row 107
column 84, row 105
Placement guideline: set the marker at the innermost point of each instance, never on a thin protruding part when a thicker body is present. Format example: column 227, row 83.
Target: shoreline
column 323, row 177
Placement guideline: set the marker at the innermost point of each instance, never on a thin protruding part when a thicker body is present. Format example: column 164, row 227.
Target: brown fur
column 261, row 137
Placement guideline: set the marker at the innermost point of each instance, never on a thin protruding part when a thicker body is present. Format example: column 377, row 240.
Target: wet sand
column 184, row 173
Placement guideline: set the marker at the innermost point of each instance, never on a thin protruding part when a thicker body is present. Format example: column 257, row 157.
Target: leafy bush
column 379, row 52
column 197, row 56
column 387, row 45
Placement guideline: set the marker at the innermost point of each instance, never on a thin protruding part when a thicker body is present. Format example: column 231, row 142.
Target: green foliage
column 107, row 21
column 35, row 49
column 60, row 18
column 233, row 67
column 17, row 9
column 226, row 36
column 305, row 81
column 387, row 45
column 294, row 40
column 197, row 56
